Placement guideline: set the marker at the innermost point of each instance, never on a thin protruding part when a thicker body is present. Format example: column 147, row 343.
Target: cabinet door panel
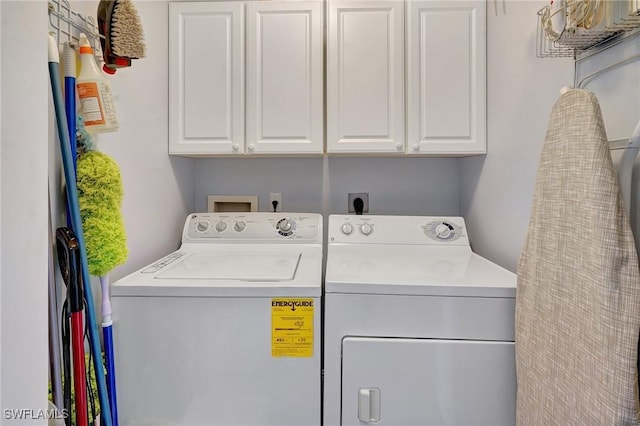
column 284, row 77
column 206, row 79
column 446, row 77
column 365, row 82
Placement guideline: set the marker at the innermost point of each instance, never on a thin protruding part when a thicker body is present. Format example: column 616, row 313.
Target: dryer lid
column 415, row 270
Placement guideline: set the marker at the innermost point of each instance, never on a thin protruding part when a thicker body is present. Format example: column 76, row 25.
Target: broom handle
column 107, row 338
column 79, row 375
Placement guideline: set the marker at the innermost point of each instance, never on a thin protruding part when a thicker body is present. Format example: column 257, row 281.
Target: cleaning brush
column 100, row 196
column 126, row 31
column 119, row 23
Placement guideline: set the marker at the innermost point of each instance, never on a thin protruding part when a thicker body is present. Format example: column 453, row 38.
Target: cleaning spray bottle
column 94, row 92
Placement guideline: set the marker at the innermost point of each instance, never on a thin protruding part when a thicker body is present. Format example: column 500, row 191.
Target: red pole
column 79, row 377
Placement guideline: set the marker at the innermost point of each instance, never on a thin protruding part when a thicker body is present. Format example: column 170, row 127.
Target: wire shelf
column 66, row 25
column 567, row 28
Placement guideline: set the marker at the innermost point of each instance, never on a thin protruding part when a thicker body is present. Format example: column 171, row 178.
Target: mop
column 100, row 196
column 72, row 197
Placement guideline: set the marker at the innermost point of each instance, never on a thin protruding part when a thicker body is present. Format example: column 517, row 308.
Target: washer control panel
column 244, row 227
column 423, row 230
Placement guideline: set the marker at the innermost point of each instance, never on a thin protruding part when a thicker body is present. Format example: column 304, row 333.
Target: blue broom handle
column 70, row 97
column 69, row 55
column 72, row 195
column 107, row 334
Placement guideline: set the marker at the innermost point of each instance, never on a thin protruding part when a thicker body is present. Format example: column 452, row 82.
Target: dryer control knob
column 239, row 226
column 366, row 229
column 221, row 226
column 202, row 226
column 443, row 231
column 347, row 229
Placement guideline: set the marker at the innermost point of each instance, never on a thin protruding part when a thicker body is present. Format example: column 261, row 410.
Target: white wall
column 23, row 220
column 618, row 93
column 158, row 189
column 411, row 186
column 521, row 90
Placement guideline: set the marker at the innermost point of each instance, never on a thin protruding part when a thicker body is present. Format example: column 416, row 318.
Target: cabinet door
column 446, row 87
column 284, row 77
column 365, row 76
column 206, row 78
column 420, row 382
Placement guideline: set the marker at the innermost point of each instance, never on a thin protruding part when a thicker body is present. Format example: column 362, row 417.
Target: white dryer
column 226, row 330
column 419, row 330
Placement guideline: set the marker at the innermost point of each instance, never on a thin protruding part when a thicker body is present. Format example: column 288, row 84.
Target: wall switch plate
column 365, row 201
column 275, row 196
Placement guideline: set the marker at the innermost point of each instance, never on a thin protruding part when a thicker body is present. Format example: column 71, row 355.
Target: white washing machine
column 226, row 330
column 419, row 330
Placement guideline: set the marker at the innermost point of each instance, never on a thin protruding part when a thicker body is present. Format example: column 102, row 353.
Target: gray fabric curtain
column 578, row 296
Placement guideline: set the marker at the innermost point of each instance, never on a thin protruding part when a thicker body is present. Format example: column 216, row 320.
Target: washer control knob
column 347, row 228
column 443, row 231
column 366, row 229
column 284, row 225
column 221, row 226
column 202, row 226
column 240, row 226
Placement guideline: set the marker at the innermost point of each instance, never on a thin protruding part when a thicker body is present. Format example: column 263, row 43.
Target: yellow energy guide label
column 292, row 327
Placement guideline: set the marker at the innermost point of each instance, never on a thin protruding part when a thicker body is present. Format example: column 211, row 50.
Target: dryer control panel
column 253, row 227
column 420, row 230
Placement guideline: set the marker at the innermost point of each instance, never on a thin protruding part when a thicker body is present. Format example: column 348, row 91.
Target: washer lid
column 254, row 266
column 229, row 271
column 415, row 270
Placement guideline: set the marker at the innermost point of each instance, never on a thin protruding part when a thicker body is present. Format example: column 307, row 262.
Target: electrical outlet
column 275, row 196
column 365, row 201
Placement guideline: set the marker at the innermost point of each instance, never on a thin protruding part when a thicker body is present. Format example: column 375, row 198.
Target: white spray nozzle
column 84, row 41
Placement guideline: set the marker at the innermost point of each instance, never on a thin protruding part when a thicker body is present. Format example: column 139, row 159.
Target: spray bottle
column 96, row 100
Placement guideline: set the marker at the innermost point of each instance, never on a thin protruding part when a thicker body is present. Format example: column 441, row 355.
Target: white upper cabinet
column 281, row 69
column 284, row 77
column 444, row 44
column 206, row 80
column 403, row 77
column 365, row 76
column 446, row 84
